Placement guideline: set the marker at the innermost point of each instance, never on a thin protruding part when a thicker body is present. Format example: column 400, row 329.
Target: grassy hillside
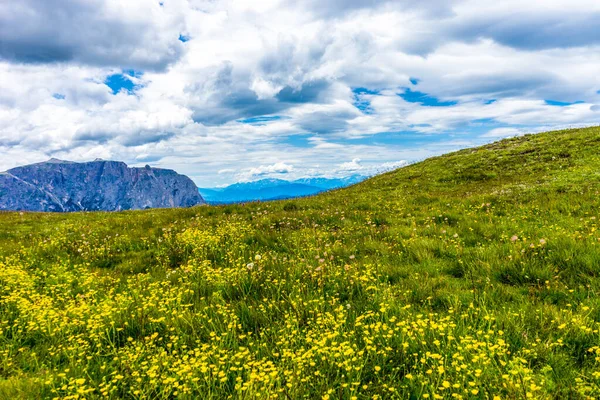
column 472, row 275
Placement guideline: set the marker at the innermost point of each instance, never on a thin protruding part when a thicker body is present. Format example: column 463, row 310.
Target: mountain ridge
column 100, row 185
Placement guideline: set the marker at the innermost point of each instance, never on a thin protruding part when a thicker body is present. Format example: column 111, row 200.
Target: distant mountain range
column 99, row 185
column 58, row 185
column 275, row 189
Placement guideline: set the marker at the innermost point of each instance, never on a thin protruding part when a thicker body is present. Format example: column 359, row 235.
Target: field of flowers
column 469, row 276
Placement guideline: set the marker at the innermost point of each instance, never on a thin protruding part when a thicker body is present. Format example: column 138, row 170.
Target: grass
column 472, row 275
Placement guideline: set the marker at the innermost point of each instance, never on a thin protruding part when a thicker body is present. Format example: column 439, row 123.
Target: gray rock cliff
column 61, row 186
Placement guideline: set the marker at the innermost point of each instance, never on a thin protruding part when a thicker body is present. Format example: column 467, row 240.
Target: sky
column 238, row 90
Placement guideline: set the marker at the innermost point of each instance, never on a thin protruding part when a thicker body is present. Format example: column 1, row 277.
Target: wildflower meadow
column 472, row 275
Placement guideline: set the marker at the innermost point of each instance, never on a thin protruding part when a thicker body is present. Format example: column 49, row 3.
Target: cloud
column 337, row 8
column 356, row 166
column 313, row 83
column 279, row 168
column 308, row 92
column 132, row 34
column 552, row 27
column 352, row 166
column 389, row 166
column 329, row 120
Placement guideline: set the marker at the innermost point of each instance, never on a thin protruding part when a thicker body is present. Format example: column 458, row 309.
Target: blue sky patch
column 424, row 99
column 491, row 101
column 183, row 38
column 58, row 96
column 118, row 82
column 362, row 90
column 562, row 103
column 484, row 121
column 133, row 73
column 415, row 81
column 260, row 120
column 362, row 103
column 301, row 141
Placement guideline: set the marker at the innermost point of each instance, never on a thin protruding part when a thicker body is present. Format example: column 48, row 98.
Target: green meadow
column 473, row 275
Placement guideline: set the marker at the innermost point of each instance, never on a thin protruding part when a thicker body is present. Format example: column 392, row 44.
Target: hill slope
column 471, row 275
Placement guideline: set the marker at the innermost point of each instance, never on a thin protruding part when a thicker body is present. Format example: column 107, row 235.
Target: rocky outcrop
column 61, row 186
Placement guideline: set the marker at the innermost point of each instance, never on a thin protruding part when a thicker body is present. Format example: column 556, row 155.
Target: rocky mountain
column 60, row 186
column 275, row 189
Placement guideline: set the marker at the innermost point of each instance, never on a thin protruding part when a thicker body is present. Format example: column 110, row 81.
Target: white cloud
column 357, row 167
column 259, row 82
column 389, row 166
column 352, row 166
column 262, row 171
